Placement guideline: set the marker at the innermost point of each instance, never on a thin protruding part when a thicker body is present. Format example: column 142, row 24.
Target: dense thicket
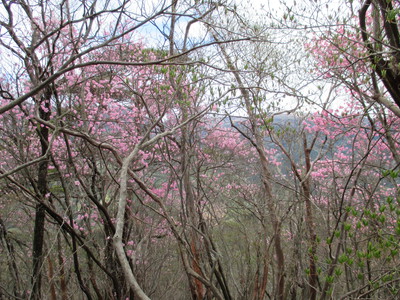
column 198, row 150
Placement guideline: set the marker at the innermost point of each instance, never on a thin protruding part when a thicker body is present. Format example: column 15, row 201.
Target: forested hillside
column 199, row 150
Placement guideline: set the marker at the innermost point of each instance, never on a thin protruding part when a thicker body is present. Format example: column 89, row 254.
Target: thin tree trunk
column 196, row 286
column 258, row 143
column 306, row 187
column 9, row 248
column 51, row 278
column 63, row 284
column 40, row 215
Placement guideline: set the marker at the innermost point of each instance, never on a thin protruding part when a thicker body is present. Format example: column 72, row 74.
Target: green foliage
column 392, row 14
column 392, row 173
column 343, row 258
column 330, row 279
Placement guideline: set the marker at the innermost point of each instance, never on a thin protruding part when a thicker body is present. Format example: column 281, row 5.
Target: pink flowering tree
column 83, row 106
column 362, row 53
column 98, row 117
column 123, row 175
column 353, row 184
column 361, row 56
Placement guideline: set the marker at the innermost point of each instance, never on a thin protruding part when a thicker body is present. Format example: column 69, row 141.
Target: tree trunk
column 40, row 215
column 306, row 191
column 258, row 143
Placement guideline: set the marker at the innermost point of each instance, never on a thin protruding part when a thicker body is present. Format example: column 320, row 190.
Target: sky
column 152, row 33
column 258, row 11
